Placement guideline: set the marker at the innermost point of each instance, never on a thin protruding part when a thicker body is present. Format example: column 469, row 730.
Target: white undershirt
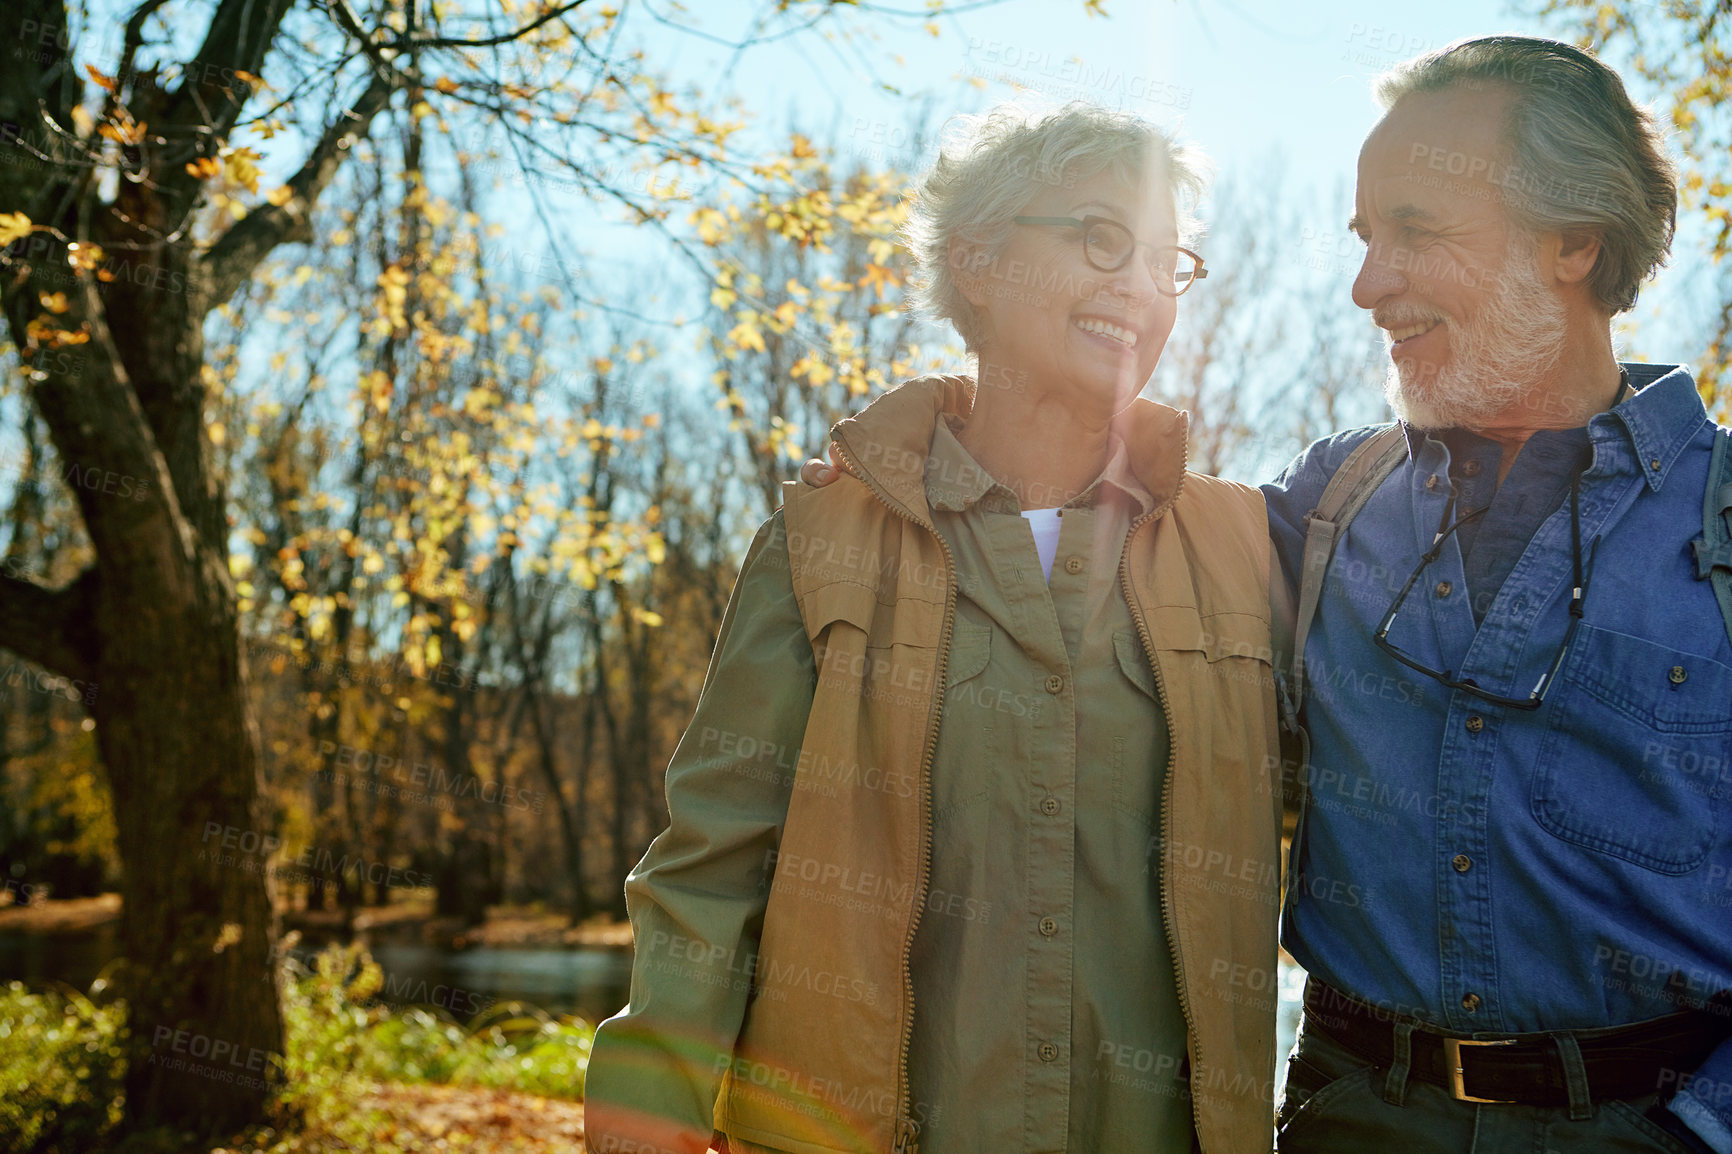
column 1044, row 523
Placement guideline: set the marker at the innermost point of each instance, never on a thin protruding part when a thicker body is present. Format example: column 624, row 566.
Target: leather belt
column 1621, row 1061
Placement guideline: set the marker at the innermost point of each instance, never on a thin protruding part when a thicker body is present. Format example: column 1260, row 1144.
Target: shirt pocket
column 1135, row 785
column 975, row 710
column 1632, row 759
column 970, row 651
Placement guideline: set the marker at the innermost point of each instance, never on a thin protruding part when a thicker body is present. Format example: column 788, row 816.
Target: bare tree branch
column 232, row 259
column 51, row 627
column 351, row 24
column 412, row 43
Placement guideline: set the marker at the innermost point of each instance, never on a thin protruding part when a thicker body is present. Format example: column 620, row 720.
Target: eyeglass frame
column 1086, row 223
column 1578, row 593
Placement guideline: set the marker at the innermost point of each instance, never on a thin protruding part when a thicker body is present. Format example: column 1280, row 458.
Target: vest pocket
column 1636, row 762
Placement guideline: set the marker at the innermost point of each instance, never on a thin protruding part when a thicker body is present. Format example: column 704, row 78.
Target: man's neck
column 1576, row 389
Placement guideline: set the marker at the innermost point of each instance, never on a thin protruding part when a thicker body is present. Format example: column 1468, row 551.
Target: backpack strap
column 1359, row 476
column 1713, row 549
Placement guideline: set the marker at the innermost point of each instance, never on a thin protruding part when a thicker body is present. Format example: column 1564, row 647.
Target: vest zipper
column 907, row 1129
column 1167, row 786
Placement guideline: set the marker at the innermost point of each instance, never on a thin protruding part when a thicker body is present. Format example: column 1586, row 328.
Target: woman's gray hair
column 988, row 173
column 1582, row 154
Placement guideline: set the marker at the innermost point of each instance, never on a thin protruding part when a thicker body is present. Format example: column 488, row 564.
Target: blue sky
column 1243, row 79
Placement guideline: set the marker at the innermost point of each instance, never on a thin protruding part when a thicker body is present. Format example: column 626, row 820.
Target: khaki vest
column 822, row 1067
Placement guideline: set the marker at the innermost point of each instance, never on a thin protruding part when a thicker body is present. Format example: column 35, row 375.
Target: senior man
column 1512, row 879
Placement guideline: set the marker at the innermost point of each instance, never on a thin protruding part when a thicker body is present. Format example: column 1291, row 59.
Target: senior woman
column 974, row 837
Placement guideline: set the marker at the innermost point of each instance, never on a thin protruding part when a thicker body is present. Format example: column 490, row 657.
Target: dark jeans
column 1336, row 1102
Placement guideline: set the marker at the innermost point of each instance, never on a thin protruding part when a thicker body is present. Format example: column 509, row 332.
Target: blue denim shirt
column 1490, row 869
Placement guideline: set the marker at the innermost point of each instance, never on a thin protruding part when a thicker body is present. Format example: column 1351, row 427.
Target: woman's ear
column 966, row 262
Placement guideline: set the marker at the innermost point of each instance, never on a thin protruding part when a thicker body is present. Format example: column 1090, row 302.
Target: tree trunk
column 119, row 380
column 197, row 927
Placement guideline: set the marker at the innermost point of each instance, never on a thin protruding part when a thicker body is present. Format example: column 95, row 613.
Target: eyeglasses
column 1578, row 593
column 1108, row 245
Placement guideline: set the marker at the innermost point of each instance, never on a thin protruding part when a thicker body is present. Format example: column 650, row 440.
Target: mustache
column 1396, row 317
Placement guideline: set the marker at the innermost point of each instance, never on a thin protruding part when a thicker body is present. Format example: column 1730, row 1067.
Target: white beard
column 1497, row 358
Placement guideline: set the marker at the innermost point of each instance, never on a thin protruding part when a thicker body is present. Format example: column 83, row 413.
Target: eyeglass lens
column 1108, row 246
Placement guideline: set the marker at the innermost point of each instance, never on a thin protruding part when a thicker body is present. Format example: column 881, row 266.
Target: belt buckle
column 1452, row 1054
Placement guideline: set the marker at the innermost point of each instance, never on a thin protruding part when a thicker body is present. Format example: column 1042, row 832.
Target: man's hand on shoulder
column 817, row 474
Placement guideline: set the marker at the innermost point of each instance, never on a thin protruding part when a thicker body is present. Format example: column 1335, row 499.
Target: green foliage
column 61, row 1064
column 61, row 1061
column 337, row 1035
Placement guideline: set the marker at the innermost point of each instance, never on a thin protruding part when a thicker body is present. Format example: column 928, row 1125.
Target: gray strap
column 1713, row 549
column 1365, row 468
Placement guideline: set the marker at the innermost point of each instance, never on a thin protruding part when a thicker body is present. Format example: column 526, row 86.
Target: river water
column 591, row 982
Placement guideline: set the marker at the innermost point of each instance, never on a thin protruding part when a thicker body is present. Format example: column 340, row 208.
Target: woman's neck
column 1042, row 444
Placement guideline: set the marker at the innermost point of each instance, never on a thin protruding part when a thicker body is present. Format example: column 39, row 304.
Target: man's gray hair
column 1583, row 156
column 996, row 164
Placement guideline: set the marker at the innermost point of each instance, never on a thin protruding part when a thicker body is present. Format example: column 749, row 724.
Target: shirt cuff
column 1704, row 1122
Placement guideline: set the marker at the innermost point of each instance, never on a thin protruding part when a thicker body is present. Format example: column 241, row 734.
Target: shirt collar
column 955, row 481
column 1660, row 412
column 1660, row 418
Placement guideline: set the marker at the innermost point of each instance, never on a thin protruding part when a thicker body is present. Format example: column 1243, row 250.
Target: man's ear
column 1578, row 250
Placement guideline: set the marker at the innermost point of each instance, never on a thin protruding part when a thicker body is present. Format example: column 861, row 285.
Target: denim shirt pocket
column 1636, row 756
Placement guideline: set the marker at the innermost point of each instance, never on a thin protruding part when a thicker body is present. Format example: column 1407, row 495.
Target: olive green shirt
column 1046, row 1012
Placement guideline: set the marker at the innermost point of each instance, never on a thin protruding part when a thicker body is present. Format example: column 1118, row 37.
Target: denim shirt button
column 1475, row 723
column 1462, row 863
column 1470, row 1002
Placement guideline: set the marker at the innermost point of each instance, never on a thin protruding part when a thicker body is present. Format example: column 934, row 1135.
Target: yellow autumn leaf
column 394, row 294
column 242, row 167
column 13, row 225
column 280, row 195
column 746, row 334
column 879, row 276
column 84, row 256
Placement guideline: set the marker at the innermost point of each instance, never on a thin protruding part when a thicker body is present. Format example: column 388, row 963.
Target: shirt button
column 1431, row 482
column 1470, row 1002
column 1677, row 676
column 1654, row 464
column 1049, row 806
column 1470, row 469
column 1462, row 863
column 1475, row 723
column 1073, row 565
column 1048, row 1052
column 1048, row 927
column 1443, row 588
column 1054, row 684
